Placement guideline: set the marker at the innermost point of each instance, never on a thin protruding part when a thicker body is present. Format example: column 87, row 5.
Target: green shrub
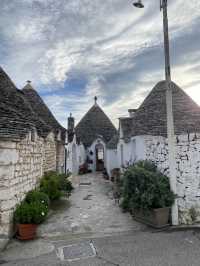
column 30, row 213
column 64, row 184
column 55, row 185
column 146, row 189
column 50, row 186
column 148, row 165
column 37, row 196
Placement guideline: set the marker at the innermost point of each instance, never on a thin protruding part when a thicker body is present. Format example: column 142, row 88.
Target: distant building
column 87, row 141
column 31, row 142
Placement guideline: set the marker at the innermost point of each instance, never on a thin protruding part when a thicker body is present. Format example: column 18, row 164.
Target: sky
column 73, row 50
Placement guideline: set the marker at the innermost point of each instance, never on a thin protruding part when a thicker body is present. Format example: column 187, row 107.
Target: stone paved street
column 92, row 211
column 94, row 229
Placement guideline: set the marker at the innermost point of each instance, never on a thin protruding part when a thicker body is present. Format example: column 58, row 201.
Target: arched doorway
column 99, row 150
column 74, row 160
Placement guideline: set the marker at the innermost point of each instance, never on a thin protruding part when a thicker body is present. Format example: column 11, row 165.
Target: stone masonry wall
column 187, row 171
column 21, row 166
column 50, row 153
column 60, row 157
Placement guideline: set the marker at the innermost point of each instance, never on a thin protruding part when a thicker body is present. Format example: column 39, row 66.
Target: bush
column 55, row 185
column 50, row 185
column 64, row 184
column 146, row 188
column 148, row 165
column 37, row 196
column 30, row 213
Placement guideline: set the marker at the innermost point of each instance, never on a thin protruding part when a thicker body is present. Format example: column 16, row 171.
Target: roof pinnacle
column 95, row 100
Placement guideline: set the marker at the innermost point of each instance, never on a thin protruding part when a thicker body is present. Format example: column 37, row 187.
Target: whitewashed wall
column 187, row 171
column 75, row 156
column 111, row 160
column 133, row 150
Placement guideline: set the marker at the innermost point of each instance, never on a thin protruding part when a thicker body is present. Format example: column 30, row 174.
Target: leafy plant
column 55, row 185
column 144, row 187
column 64, row 184
column 37, row 196
column 148, row 165
column 30, row 213
column 50, row 186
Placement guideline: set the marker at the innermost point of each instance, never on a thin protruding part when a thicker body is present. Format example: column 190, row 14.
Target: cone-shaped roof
column 95, row 124
column 151, row 118
column 16, row 115
column 40, row 108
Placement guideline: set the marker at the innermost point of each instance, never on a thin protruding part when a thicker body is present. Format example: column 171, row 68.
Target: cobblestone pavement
column 92, row 211
column 93, row 231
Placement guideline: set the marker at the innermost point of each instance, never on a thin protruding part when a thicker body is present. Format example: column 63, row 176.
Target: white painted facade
column 111, row 160
column 75, row 156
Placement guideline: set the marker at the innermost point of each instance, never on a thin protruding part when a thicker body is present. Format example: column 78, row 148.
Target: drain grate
column 77, row 251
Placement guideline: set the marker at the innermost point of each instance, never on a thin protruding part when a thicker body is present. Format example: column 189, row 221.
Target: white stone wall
column 124, row 155
column 111, row 160
column 73, row 161
column 60, row 157
column 50, row 153
column 187, row 171
column 21, row 166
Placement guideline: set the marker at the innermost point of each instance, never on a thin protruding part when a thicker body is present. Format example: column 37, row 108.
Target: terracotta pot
column 26, row 231
column 157, row 218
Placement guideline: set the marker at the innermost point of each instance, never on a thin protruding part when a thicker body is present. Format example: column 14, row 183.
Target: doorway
column 99, row 157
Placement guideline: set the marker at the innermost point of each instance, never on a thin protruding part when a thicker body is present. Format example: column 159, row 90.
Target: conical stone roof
column 41, row 109
column 95, row 124
column 151, row 118
column 16, row 115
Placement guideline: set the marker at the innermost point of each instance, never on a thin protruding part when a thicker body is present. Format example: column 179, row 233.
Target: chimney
column 132, row 112
column 71, row 123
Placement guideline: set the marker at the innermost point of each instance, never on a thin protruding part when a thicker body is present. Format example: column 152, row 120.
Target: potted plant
column 147, row 194
column 27, row 216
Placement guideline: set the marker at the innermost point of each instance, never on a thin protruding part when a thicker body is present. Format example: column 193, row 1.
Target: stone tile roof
column 95, row 124
column 150, row 118
column 126, row 126
column 112, row 144
column 40, row 108
column 17, row 117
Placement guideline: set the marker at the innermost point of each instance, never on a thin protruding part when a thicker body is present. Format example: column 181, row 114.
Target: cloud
column 73, row 50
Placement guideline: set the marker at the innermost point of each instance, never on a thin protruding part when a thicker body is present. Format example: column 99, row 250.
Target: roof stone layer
column 151, row 118
column 126, row 124
column 40, row 108
column 17, row 117
column 112, row 144
column 95, row 124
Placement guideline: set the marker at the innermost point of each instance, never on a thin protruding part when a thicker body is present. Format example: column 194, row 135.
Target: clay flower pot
column 26, row 231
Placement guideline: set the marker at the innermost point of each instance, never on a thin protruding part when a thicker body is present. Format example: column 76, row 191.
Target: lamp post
column 169, row 107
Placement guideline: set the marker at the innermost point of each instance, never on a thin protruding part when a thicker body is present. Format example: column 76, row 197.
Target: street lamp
column 170, row 119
